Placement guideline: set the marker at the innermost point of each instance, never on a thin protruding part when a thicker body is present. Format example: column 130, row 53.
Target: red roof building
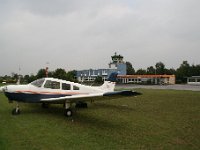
column 147, row 79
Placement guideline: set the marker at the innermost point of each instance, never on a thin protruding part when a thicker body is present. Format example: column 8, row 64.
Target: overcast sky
column 83, row 34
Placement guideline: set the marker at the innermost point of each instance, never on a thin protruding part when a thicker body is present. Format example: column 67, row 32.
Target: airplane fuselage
column 47, row 88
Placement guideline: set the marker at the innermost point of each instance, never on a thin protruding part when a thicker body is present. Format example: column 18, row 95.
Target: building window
column 191, row 80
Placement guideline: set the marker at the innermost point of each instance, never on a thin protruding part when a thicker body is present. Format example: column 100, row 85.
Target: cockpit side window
column 66, row 86
column 38, row 83
column 76, row 88
column 52, row 84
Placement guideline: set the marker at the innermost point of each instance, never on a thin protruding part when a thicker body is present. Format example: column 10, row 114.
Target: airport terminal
column 116, row 65
column 119, row 65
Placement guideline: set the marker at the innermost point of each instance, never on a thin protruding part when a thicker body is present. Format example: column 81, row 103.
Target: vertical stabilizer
column 109, row 85
column 113, row 77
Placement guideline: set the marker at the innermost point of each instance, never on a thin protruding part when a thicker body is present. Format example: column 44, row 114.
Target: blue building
column 116, row 65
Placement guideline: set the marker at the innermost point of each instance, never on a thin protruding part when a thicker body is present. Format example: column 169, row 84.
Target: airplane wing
column 89, row 97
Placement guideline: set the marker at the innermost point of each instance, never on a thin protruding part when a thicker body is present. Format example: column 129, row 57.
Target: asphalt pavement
column 171, row 87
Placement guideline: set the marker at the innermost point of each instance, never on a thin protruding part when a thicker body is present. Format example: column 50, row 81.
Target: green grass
column 159, row 119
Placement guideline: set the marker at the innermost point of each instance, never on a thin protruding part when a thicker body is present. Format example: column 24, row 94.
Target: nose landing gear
column 16, row 111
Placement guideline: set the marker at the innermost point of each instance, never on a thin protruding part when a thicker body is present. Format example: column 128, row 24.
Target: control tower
column 116, row 59
column 118, row 63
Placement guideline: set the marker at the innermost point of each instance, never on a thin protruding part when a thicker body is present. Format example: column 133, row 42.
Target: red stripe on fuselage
column 50, row 93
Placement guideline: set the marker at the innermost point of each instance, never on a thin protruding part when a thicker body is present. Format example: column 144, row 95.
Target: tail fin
column 109, row 85
column 113, row 77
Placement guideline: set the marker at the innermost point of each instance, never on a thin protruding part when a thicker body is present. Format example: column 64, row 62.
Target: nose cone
column 7, row 88
column 14, row 88
column 13, row 92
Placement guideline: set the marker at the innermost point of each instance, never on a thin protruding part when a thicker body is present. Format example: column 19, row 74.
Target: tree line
column 58, row 73
column 185, row 70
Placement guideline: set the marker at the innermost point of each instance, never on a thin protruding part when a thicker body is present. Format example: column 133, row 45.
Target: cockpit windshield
column 38, row 83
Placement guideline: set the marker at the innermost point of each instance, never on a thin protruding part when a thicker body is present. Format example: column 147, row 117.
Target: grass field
column 159, row 119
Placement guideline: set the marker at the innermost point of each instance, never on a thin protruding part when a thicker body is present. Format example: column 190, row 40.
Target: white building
column 194, row 80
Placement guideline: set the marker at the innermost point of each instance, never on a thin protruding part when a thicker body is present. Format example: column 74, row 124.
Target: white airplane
column 56, row 91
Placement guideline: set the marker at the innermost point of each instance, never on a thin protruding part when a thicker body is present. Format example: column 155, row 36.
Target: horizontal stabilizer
column 122, row 93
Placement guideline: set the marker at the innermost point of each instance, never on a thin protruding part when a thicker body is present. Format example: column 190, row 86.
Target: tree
column 141, row 72
column 26, row 79
column 32, row 78
column 170, row 71
column 151, row 70
column 195, row 70
column 183, row 72
column 130, row 70
column 15, row 76
column 41, row 73
column 71, row 75
column 60, row 74
column 160, row 68
column 50, row 73
column 98, row 80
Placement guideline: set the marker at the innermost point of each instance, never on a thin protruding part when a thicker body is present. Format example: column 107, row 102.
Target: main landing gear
column 68, row 111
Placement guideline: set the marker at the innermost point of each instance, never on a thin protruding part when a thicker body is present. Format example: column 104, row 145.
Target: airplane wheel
column 16, row 111
column 68, row 112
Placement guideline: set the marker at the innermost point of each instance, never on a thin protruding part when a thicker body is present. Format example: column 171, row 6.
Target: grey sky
column 83, row 34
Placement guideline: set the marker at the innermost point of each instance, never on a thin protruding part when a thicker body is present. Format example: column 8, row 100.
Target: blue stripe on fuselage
column 31, row 98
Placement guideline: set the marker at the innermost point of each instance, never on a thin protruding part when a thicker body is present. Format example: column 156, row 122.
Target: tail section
column 109, row 85
column 113, row 77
